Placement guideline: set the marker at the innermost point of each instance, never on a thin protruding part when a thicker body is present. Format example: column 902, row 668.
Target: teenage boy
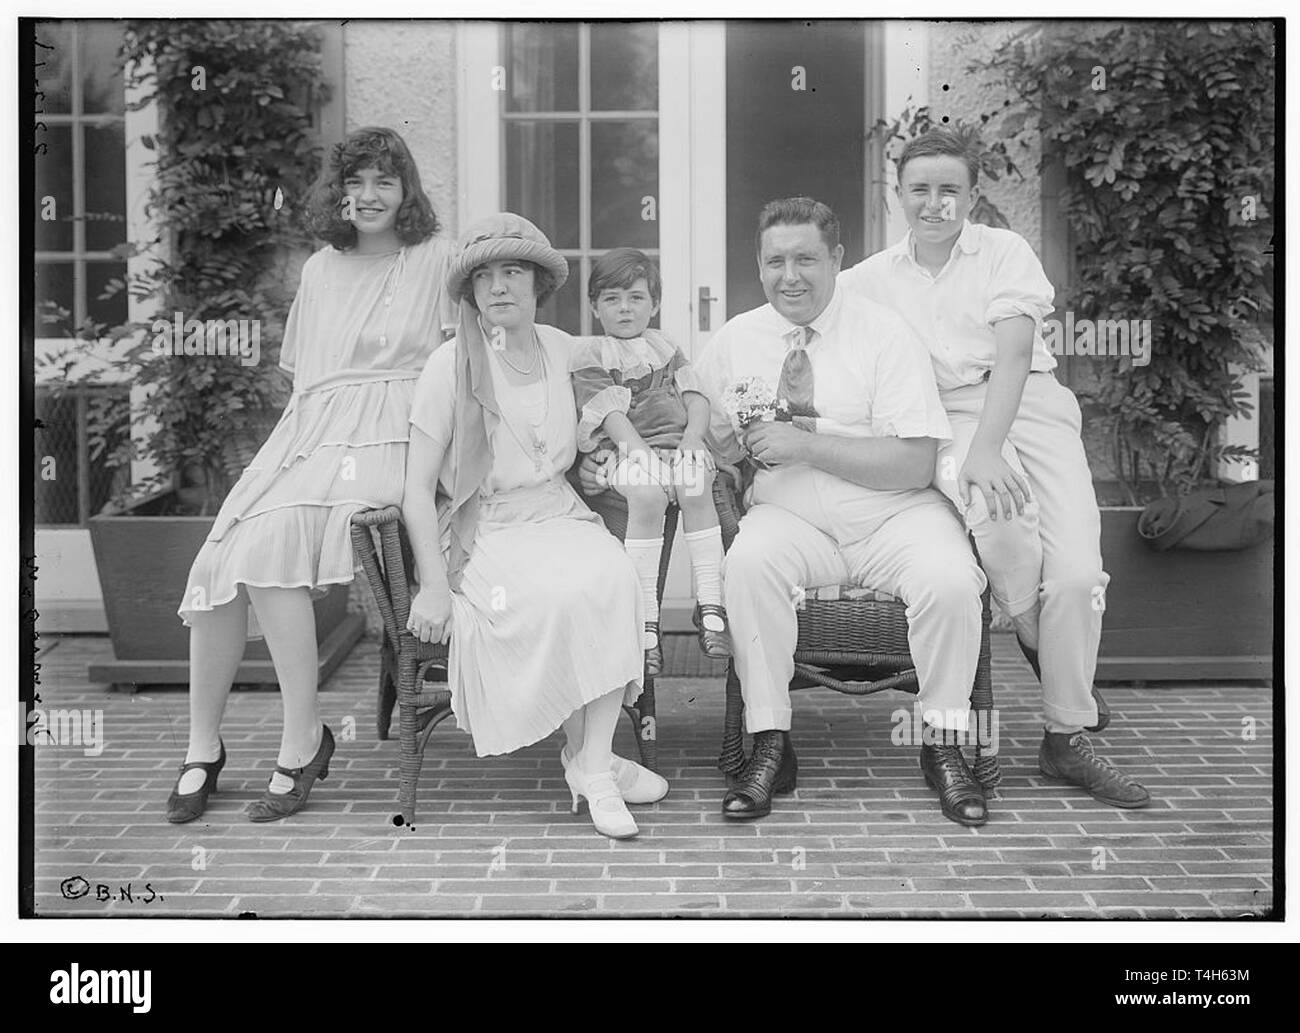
column 1015, row 465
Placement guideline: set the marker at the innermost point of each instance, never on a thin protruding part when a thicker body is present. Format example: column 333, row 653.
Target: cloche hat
column 499, row 238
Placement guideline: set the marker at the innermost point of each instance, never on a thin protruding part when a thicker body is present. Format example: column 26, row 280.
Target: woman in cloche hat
column 541, row 605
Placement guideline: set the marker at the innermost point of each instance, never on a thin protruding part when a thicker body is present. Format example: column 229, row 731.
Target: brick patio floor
column 862, row 836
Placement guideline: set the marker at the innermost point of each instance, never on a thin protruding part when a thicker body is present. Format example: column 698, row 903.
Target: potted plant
column 1162, row 138
column 235, row 147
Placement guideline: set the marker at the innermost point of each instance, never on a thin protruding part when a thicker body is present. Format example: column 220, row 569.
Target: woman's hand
column 993, row 477
column 593, row 471
column 430, row 619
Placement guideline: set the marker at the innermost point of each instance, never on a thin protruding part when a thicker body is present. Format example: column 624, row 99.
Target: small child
column 637, row 394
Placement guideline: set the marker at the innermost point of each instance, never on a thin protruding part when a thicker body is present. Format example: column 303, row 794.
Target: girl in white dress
column 369, row 311
column 541, row 604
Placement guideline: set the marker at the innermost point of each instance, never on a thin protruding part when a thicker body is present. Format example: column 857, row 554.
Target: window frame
column 78, row 120
column 584, row 116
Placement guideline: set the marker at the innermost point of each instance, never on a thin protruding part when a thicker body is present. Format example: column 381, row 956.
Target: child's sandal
column 715, row 644
column 654, row 655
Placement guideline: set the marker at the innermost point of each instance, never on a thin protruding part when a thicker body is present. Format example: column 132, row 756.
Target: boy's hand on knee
column 993, row 477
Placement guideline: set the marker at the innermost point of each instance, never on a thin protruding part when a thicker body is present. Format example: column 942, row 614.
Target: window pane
column 105, row 187
column 542, row 67
column 54, row 77
column 542, row 177
column 54, row 284
column 564, row 309
column 101, row 68
column 54, row 180
column 56, row 459
column 624, row 184
column 98, row 275
column 624, row 66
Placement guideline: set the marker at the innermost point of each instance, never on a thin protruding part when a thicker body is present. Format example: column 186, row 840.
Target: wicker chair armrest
column 363, row 547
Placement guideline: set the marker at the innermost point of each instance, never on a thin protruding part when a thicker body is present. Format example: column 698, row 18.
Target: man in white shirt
column 842, row 495
column 1015, row 465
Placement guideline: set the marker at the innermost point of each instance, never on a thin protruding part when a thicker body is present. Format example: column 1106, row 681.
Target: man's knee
column 1077, row 582
column 948, row 579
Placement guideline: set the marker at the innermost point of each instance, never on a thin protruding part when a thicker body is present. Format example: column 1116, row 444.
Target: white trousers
column 1051, row 554
column 919, row 554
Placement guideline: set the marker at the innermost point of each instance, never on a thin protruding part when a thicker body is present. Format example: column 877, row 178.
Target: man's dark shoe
column 1103, row 711
column 771, row 768
column 960, row 794
column 1070, row 758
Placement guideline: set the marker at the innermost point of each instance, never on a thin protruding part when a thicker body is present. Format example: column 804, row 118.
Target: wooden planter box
column 143, row 561
column 1180, row 615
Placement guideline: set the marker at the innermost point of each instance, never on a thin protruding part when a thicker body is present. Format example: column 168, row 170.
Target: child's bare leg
column 703, row 537
column 289, row 623
column 644, row 542
column 217, row 639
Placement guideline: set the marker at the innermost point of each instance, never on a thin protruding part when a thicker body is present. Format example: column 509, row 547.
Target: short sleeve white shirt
column 993, row 274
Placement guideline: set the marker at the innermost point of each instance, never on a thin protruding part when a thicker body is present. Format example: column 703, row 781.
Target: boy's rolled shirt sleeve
column 906, row 402
column 1019, row 285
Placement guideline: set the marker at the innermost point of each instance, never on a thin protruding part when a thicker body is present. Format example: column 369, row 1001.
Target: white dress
column 360, row 331
column 548, row 614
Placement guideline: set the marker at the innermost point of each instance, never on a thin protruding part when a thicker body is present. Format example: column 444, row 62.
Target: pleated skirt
column 547, row 618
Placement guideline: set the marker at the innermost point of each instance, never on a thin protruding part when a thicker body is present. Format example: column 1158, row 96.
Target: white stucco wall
column 403, row 74
column 953, row 46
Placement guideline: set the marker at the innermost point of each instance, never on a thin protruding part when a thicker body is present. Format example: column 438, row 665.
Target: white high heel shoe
column 608, row 811
column 636, row 784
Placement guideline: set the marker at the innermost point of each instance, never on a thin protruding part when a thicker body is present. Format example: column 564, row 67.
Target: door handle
column 705, row 311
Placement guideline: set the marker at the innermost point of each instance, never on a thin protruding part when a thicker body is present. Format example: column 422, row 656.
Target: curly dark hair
column 371, row 147
column 544, row 285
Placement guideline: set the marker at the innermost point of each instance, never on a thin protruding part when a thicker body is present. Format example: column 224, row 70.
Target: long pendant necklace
column 536, row 431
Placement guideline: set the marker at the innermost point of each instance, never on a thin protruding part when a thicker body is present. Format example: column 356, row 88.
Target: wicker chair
column 854, row 640
column 405, row 661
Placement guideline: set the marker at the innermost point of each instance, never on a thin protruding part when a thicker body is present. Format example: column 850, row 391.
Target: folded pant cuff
column 767, row 719
column 1067, row 716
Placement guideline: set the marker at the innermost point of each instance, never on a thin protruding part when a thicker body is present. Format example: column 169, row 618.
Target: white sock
column 706, row 561
column 645, row 554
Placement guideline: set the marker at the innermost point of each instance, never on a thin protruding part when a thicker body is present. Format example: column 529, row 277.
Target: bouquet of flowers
column 750, row 400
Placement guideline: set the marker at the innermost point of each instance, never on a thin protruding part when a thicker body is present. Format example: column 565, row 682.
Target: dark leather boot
column 1070, row 758
column 1103, row 711
column 961, row 796
column 771, row 768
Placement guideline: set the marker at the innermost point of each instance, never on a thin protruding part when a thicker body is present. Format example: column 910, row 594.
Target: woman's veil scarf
column 471, row 443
